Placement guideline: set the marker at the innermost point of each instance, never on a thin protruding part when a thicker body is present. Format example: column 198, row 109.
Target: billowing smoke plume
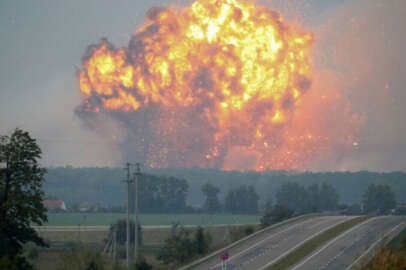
column 362, row 44
column 220, row 84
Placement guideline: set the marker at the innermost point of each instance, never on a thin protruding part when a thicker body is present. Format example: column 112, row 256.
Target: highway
column 266, row 248
column 349, row 248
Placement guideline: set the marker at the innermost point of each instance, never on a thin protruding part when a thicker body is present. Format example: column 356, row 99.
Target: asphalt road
column 262, row 250
column 349, row 248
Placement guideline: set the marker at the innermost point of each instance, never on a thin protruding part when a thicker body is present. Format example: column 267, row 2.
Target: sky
column 43, row 42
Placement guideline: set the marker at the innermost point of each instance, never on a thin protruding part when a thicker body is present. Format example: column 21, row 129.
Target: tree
column 277, row 214
column 212, row 203
column 180, row 247
column 294, row 197
column 328, row 197
column 242, row 200
column 202, row 240
column 378, row 199
column 177, row 248
column 160, row 194
column 268, row 204
column 121, row 227
column 21, row 195
column 314, row 197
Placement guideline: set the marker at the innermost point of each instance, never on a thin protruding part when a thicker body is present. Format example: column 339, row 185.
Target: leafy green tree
column 242, row 200
column 277, row 214
column 328, row 198
column 268, row 204
column 160, row 194
column 314, row 197
column 293, row 196
column 202, row 242
column 212, row 203
column 378, row 199
column 21, row 195
column 177, row 249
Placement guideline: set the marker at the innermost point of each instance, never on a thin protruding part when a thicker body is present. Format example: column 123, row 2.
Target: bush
column 248, row 230
column 116, row 266
column 15, row 263
column 354, row 209
column 400, row 211
column 31, row 251
column 81, row 258
column 121, row 252
column 177, row 249
column 277, row 214
column 236, row 233
column 201, row 243
column 121, row 227
column 141, row 264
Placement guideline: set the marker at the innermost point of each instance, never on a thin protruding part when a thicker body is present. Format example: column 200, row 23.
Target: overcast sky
column 43, row 41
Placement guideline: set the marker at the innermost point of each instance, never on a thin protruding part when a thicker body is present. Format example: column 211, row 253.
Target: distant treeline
column 168, row 190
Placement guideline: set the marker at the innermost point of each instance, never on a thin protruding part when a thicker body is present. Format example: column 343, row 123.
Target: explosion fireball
column 215, row 85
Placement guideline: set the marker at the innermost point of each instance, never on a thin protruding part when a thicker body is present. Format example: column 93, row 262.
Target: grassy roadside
column 399, row 242
column 386, row 257
column 310, row 246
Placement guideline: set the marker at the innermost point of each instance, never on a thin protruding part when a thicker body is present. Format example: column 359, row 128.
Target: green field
column 92, row 219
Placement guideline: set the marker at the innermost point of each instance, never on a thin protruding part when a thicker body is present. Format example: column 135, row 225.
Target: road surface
column 342, row 253
column 262, row 250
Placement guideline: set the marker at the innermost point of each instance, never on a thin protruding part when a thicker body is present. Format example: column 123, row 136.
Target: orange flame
column 238, row 68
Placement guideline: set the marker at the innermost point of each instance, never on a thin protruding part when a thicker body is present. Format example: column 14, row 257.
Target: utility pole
column 128, row 181
column 137, row 174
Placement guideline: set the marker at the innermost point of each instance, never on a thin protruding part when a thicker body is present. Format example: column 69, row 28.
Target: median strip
column 314, row 243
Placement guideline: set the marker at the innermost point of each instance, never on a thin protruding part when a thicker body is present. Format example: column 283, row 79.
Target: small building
column 53, row 205
column 88, row 207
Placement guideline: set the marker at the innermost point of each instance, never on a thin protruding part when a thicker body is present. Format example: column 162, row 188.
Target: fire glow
column 206, row 86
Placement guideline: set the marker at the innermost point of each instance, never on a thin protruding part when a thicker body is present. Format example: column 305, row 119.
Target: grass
column 387, row 257
column 308, row 247
column 151, row 236
column 154, row 238
column 94, row 219
column 399, row 242
column 61, row 241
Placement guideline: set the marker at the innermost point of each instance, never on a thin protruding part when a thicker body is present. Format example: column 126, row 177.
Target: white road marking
column 331, row 242
column 269, row 237
column 299, row 244
column 371, row 247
